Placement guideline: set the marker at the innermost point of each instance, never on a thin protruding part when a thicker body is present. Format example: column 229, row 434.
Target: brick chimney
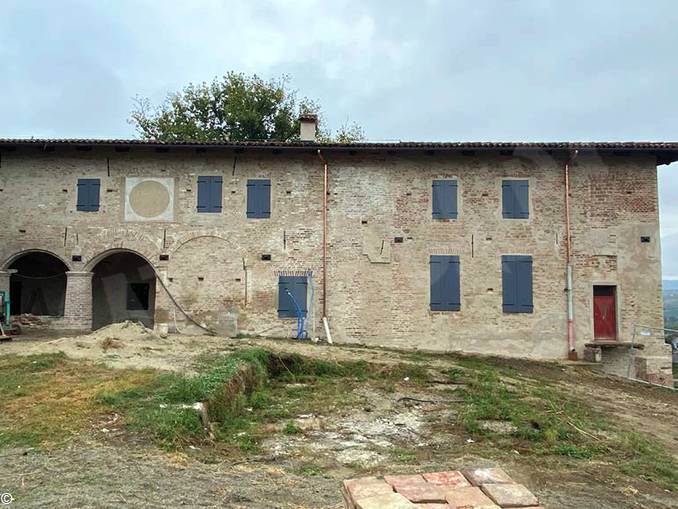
column 308, row 126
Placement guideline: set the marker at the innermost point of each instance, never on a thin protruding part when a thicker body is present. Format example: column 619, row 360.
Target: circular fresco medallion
column 149, row 199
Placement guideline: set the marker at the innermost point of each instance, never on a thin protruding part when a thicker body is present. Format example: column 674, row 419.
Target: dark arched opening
column 38, row 286
column 123, row 288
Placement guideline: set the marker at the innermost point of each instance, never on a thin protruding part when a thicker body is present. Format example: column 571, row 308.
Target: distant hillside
column 670, row 287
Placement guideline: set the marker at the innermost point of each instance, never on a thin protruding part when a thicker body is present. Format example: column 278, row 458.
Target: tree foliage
column 235, row 107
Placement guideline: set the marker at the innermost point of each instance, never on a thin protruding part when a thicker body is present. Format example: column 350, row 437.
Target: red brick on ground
column 364, row 488
column 404, row 480
column 480, row 476
column 390, row 501
column 483, row 488
column 469, row 498
column 451, row 478
column 423, row 492
column 510, row 495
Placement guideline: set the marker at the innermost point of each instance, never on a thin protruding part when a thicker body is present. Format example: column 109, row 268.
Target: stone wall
column 378, row 290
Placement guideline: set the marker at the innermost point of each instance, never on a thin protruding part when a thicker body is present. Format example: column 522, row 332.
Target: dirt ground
column 105, row 468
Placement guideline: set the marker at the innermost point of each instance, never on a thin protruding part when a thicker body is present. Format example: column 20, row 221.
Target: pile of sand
column 123, row 331
column 125, row 345
column 120, row 343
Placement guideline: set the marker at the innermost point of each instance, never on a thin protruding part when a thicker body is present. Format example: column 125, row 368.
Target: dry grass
column 47, row 398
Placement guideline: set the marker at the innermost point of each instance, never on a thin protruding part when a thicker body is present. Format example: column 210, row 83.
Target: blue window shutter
column 209, row 193
column 215, row 194
column 251, row 198
column 297, row 285
column 258, row 198
column 436, row 283
column 445, row 288
column 522, row 195
column 507, row 201
column 524, row 287
column 265, row 194
column 517, row 284
column 452, row 185
column 88, row 195
column 515, row 199
column 444, row 199
column 299, row 290
column 83, row 196
column 508, row 282
column 203, row 194
column 285, row 304
column 437, row 200
column 94, row 193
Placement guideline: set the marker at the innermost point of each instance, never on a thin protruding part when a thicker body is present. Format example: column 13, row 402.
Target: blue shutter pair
column 444, row 204
column 209, row 193
column 297, row 286
column 259, row 198
column 88, row 195
column 445, row 293
column 515, row 199
column 516, row 274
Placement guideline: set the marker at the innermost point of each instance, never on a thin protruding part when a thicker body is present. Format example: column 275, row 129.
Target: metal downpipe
column 571, row 341
column 324, row 279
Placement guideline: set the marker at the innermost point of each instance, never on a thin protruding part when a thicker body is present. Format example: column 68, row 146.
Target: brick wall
column 378, row 290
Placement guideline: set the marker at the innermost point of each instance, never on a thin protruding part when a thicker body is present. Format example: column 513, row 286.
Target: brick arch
column 142, row 246
column 118, row 275
column 89, row 266
column 12, row 258
column 208, row 278
column 182, row 241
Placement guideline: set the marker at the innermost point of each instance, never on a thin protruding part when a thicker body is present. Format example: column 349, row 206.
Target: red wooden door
column 604, row 313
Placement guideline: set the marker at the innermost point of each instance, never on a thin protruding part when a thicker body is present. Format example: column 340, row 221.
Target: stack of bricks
column 483, row 488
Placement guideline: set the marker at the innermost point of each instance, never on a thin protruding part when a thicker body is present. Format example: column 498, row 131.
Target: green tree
column 235, row 107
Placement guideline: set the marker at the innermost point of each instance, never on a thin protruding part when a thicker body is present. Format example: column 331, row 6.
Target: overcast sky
column 403, row 69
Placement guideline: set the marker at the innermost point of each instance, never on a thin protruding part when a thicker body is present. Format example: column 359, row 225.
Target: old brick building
column 443, row 246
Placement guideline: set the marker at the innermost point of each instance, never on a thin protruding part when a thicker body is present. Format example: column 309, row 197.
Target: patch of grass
column 307, row 470
column 170, row 427
column 295, row 368
column 291, row 428
column 454, row 374
column 417, row 357
column 572, row 450
column 403, row 455
column 12, row 438
column 226, row 383
column 206, row 383
column 647, row 459
column 553, row 423
column 244, row 390
column 539, row 414
column 240, row 433
column 47, row 398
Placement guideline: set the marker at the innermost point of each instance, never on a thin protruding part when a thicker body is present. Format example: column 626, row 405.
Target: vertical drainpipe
column 571, row 348
column 325, row 189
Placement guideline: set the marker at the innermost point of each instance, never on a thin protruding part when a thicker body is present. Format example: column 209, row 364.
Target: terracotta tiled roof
column 666, row 151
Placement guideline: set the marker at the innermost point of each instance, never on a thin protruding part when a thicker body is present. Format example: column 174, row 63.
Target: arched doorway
column 38, row 286
column 123, row 288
